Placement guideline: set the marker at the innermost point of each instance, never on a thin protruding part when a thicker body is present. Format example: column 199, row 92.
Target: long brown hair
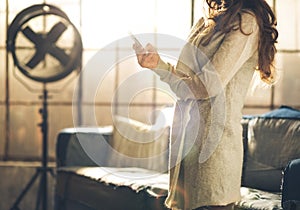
column 230, row 10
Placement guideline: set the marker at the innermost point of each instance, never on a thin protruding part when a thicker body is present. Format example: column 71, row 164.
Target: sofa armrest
column 291, row 185
column 83, row 146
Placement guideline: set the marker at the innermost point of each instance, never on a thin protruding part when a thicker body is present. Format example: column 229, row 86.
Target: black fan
column 45, row 45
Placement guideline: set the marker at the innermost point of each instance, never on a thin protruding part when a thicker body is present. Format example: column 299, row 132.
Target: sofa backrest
column 127, row 143
column 272, row 140
column 83, row 146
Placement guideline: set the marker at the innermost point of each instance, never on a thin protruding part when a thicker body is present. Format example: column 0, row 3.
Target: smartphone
column 136, row 41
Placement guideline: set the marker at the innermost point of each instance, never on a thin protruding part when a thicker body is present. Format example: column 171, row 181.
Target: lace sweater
column 211, row 83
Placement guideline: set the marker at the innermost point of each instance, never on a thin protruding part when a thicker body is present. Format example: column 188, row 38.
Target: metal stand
column 42, row 194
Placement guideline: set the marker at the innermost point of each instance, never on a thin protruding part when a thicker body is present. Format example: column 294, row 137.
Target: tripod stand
column 42, row 171
column 62, row 41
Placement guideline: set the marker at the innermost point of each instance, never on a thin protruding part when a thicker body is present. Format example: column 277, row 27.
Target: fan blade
column 55, row 32
column 31, row 35
column 60, row 55
column 36, row 59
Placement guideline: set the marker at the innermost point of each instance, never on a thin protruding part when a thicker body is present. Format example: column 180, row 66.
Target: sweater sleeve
column 212, row 77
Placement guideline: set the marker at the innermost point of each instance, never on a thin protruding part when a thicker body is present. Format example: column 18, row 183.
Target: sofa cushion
column 273, row 140
column 255, row 199
column 106, row 188
column 136, row 144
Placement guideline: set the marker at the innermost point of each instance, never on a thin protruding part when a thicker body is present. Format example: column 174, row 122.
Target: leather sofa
column 97, row 168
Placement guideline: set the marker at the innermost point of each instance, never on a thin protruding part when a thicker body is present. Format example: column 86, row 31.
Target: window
column 104, row 29
column 103, row 26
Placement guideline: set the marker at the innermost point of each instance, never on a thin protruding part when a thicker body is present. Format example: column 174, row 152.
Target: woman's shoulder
column 197, row 28
column 199, row 23
column 248, row 19
column 248, row 16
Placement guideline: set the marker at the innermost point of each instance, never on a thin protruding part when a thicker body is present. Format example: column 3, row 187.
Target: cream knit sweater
column 211, row 83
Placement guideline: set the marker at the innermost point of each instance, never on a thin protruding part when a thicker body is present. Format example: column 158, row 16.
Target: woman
column 211, row 80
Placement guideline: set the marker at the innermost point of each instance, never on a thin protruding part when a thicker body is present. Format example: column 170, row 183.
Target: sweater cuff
column 163, row 69
column 163, row 66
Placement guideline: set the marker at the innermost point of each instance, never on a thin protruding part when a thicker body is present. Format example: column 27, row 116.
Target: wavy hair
column 225, row 12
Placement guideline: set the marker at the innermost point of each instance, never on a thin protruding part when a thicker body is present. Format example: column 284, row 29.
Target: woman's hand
column 147, row 57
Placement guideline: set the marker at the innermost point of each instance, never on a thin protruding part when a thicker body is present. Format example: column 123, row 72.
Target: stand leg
column 44, row 127
column 38, row 199
column 23, row 193
column 44, row 187
column 42, row 195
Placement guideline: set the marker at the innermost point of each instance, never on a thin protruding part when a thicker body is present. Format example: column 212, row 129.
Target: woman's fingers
column 138, row 49
column 150, row 48
column 147, row 57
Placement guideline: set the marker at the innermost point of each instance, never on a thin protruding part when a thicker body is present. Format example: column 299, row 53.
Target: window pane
column 60, row 117
column 255, row 111
column 288, row 24
column 2, row 76
column 2, row 28
column 99, row 77
column 25, row 135
column 2, row 130
column 260, row 96
column 288, row 88
column 103, row 23
column 173, row 17
column 198, row 10
column 100, row 115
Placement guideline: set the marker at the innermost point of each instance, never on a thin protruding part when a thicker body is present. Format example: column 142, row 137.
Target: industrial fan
column 45, row 47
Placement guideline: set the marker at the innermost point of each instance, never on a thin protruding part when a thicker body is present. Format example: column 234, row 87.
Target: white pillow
column 136, row 144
